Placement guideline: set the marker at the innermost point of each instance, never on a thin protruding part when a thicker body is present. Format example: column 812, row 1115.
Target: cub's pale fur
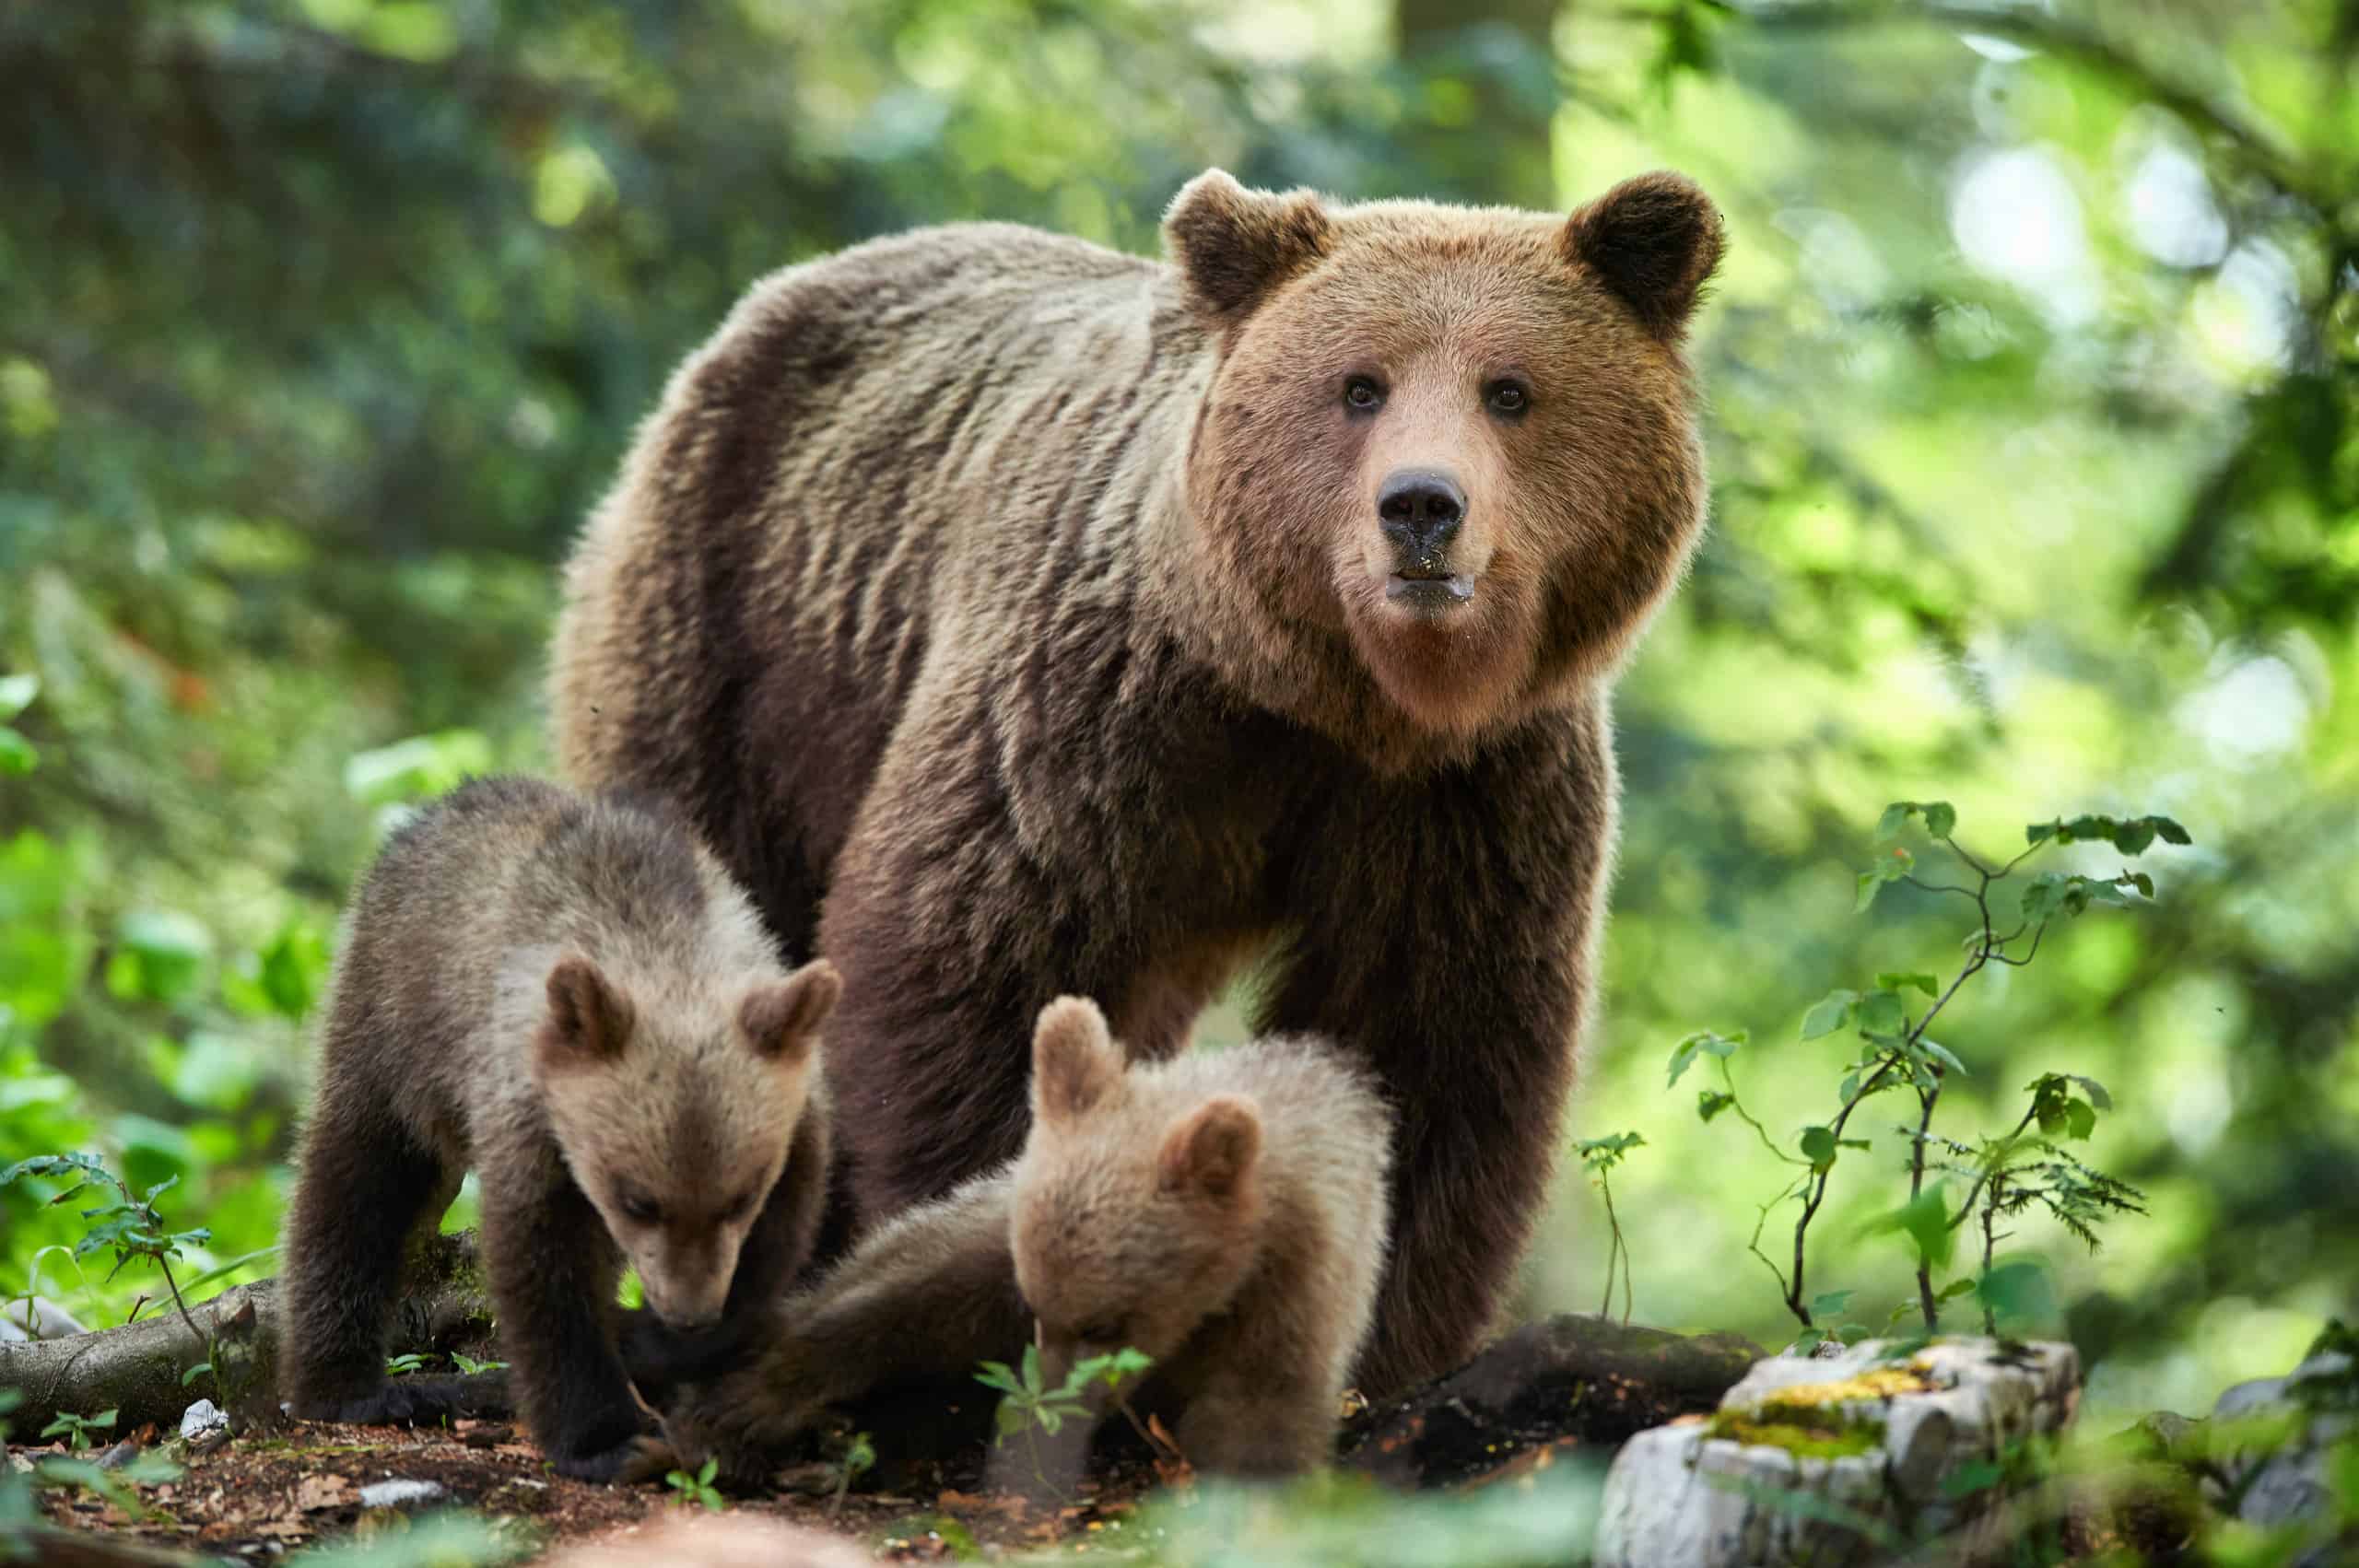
column 571, row 996
column 1223, row 1211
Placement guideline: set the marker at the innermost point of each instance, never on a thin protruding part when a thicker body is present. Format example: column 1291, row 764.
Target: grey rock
column 1696, row 1494
column 2290, row 1427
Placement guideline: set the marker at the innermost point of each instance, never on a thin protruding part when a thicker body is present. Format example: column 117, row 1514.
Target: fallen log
column 141, row 1369
column 1569, row 1378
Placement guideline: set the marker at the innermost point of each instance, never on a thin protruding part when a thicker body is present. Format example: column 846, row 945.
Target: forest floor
column 256, row 1498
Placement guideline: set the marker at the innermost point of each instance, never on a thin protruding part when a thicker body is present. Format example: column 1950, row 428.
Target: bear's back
column 956, row 424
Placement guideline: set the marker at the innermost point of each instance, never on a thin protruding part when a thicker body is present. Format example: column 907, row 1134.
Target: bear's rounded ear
column 1653, row 240
column 1075, row 1060
column 589, row 1021
column 782, row 1020
column 1232, row 245
column 1213, row 1152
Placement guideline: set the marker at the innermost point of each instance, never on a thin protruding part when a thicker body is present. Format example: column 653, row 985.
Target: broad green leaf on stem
column 1831, row 1012
column 1943, row 1055
column 1869, row 885
column 1818, row 1147
column 1705, row 1043
column 2020, row 1292
column 1829, row 1304
column 2095, row 1091
column 1940, row 818
column 1925, row 1220
column 1882, row 1012
column 1710, row 1102
column 1894, row 981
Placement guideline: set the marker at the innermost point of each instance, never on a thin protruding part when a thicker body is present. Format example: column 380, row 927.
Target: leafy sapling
column 859, row 1459
column 131, row 1227
column 1891, row 1020
column 406, row 1362
column 77, row 1428
column 697, row 1488
column 1029, row 1407
column 1598, row 1156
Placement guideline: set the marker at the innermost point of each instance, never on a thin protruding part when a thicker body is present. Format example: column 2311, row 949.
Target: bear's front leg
column 1447, row 932
column 553, row 1269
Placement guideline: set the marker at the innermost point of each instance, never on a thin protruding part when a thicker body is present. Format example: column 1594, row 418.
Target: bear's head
column 674, row 1103
column 1138, row 1204
column 1450, row 449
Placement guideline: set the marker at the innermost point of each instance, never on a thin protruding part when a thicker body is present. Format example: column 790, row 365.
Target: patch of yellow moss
column 1812, row 1420
column 1811, row 1442
column 1876, row 1383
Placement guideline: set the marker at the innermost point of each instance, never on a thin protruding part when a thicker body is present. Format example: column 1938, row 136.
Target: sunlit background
column 2034, row 386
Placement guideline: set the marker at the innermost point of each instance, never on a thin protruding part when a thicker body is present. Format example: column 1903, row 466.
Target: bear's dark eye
column 1507, row 397
column 739, row 1207
column 1363, row 395
column 640, row 1210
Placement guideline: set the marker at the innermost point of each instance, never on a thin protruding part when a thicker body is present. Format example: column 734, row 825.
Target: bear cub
column 1223, row 1211
column 569, row 995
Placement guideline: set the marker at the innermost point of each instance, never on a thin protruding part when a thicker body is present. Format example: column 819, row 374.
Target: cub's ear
column 1232, row 245
column 589, row 1021
column 1212, row 1151
column 1075, row 1060
column 783, row 1021
column 1653, row 240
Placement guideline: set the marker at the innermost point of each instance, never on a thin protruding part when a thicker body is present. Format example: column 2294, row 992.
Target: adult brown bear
column 1019, row 618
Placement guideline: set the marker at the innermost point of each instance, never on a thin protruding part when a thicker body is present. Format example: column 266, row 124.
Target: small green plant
column 76, row 1429
column 2006, row 1175
column 697, row 1488
column 406, row 1362
column 471, row 1366
column 131, row 1227
column 1029, row 1407
column 17, row 1512
column 859, row 1459
column 1598, row 1156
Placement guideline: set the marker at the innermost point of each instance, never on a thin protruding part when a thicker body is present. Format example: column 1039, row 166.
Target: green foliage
column 2009, row 1174
column 469, row 1366
column 405, row 1363
column 697, row 1488
column 76, row 1429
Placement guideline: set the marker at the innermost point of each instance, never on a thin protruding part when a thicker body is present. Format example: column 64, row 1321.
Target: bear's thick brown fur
column 1019, row 618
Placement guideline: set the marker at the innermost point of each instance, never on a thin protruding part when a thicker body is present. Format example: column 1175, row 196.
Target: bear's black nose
column 1419, row 509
